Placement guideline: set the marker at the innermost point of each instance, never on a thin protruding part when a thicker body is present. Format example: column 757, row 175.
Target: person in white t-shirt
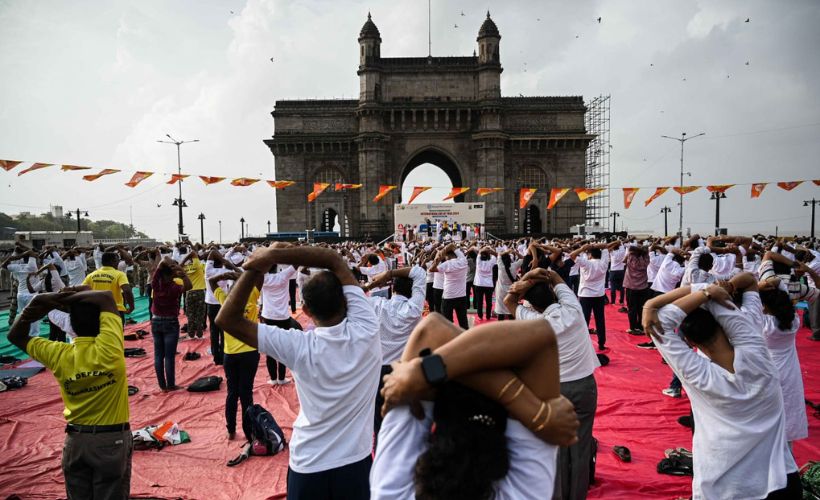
column 483, row 282
column 76, row 267
column 20, row 264
column 275, row 312
column 452, row 264
column 593, row 261
column 336, row 369
column 616, row 274
column 495, row 425
column 371, row 265
column 549, row 298
column 739, row 444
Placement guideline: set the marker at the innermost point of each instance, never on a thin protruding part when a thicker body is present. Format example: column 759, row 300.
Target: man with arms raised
column 335, row 367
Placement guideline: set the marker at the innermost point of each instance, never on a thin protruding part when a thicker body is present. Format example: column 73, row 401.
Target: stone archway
column 440, row 159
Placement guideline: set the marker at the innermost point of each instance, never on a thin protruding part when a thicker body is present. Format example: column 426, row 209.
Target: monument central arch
column 447, row 111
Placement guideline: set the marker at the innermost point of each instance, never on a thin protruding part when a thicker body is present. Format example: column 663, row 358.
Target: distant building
column 39, row 239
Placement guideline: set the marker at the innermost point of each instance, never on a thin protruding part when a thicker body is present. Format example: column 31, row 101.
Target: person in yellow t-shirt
column 195, row 297
column 96, row 459
column 240, row 360
column 108, row 278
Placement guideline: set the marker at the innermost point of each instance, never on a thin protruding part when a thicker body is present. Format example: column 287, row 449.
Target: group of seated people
column 399, row 400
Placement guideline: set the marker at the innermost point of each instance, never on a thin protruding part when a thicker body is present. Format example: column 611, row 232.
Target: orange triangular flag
column 9, row 164
column 816, row 182
column 177, row 178
column 71, row 168
column 685, row 189
column 318, row 187
column 383, row 190
column 138, row 177
column 341, row 187
column 280, row 184
column 525, row 196
column 456, row 191
column 243, row 181
column 35, row 166
column 758, row 188
column 584, row 193
column 719, row 188
column 486, row 191
column 555, row 196
column 788, row 186
column 211, row 180
column 658, row 191
column 629, row 195
column 105, row 171
column 417, row 190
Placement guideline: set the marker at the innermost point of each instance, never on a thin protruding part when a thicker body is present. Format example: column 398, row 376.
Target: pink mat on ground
column 631, row 412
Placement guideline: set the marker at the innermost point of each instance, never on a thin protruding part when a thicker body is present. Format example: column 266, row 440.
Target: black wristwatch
column 433, row 367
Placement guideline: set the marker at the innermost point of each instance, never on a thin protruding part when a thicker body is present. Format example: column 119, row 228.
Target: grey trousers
column 97, row 466
column 814, row 318
column 572, row 473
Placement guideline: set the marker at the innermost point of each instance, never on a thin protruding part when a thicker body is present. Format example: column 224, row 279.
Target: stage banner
column 788, row 186
column 244, row 181
column 9, row 164
column 177, row 178
column 456, row 191
column 137, row 178
column 280, row 184
column 685, row 189
column 36, row 166
column 418, row 215
column 555, row 196
column 318, row 188
column 417, row 190
column 629, row 195
column 525, row 196
column 719, row 188
column 383, row 190
column 757, row 189
column 105, row 171
column 342, row 187
column 658, row 191
column 211, row 180
column 584, row 193
column 486, row 191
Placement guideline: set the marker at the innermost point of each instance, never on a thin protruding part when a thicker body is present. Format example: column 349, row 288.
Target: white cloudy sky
column 98, row 82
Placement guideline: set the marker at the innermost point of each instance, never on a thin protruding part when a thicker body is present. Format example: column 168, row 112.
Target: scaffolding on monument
column 596, row 121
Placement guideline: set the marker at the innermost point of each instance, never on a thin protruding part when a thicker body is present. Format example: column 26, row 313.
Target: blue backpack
column 268, row 438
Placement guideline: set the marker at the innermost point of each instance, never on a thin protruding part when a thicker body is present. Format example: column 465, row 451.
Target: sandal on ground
column 623, row 453
column 680, row 452
column 675, row 466
column 238, row 460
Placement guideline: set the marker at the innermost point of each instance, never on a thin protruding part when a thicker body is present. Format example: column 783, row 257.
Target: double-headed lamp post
column 813, row 203
column 179, row 202
column 665, row 211
column 242, row 226
column 682, row 139
column 615, row 216
column 201, row 218
column 717, row 197
column 69, row 216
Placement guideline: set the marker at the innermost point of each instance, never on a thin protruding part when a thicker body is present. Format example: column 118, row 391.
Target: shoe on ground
column 601, row 347
column 812, row 337
column 671, row 392
column 623, row 453
column 592, row 331
column 647, row 345
column 231, row 436
column 623, row 309
column 687, row 421
column 273, row 382
column 632, row 331
column 284, row 381
column 681, row 452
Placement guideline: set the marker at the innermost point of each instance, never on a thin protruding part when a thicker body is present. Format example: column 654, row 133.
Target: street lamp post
column 665, row 211
column 220, row 232
column 242, row 225
column 201, row 218
column 85, row 214
column 615, row 216
column 682, row 140
column 268, row 227
column 717, row 197
column 813, row 202
column 179, row 202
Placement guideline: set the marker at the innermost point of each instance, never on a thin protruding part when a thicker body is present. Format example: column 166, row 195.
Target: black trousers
column 595, row 305
column 348, row 482
column 635, row 300
column 377, row 417
column 240, row 370
column 292, row 291
column 437, row 293
column 431, row 297
column 616, row 283
column 150, row 299
column 276, row 369
column 459, row 305
column 792, row 490
column 574, row 282
column 483, row 296
column 217, row 338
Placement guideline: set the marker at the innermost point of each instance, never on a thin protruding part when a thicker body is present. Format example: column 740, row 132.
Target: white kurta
column 784, row 354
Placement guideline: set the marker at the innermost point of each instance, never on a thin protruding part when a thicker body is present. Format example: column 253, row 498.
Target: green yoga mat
column 139, row 315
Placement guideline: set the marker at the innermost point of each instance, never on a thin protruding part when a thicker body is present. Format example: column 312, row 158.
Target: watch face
column 434, row 370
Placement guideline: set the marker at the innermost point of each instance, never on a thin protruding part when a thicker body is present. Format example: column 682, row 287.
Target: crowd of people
column 401, row 395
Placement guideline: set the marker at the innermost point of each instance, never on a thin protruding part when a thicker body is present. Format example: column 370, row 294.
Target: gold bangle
column 546, row 420
column 521, row 388
column 504, row 389
column 537, row 415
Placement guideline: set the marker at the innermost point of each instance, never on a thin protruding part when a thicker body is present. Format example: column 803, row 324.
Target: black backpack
column 268, row 438
column 206, row 384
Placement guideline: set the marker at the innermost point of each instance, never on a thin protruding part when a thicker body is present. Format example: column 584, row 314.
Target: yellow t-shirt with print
column 108, row 279
column 232, row 344
column 91, row 373
column 195, row 270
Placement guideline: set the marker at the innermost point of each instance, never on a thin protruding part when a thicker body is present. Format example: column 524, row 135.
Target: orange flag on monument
column 629, row 195
column 456, row 191
column 685, row 189
column 341, row 187
column 658, row 191
column 280, row 184
column 105, row 171
column 584, row 193
column 137, row 178
column 417, row 190
column 318, row 187
column 244, row 181
column 9, row 164
column 211, row 180
column 486, row 191
column 788, row 186
column 758, row 188
column 555, row 196
column 177, row 178
column 71, row 168
column 525, row 196
column 383, row 190
column 35, row 166
column 719, row 188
